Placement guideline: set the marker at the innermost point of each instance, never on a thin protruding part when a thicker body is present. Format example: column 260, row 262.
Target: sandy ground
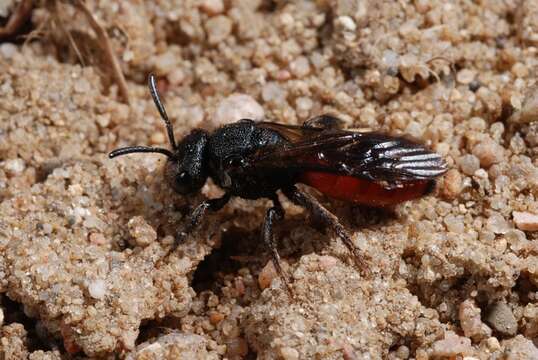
column 82, row 238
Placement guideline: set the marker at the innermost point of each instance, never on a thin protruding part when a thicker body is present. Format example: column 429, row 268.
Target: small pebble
column 493, row 344
column 529, row 108
column 465, row 76
column 237, row 348
column 289, row 353
column 267, row 275
column 176, row 76
column 47, row 228
column 497, row 224
column 97, row 238
column 82, row 86
column 212, row 7
column 236, row 107
column 8, row 50
column 525, row 221
column 215, row 317
column 304, row 104
column 347, row 23
column 97, row 289
column 403, row 352
column 520, row 70
column 488, row 152
column 391, row 59
column 452, row 345
column 470, row 321
column 474, row 85
column 452, row 185
column 500, row 317
column 469, row 164
column 327, row 262
column 157, row 138
column 520, row 348
column 300, row 67
column 272, row 91
column 218, row 29
column 141, row 232
column 166, row 62
column 14, row 167
column 454, row 224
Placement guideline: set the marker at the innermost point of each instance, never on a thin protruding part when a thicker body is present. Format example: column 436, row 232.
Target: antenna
column 164, row 116
column 162, row 111
column 140, row 149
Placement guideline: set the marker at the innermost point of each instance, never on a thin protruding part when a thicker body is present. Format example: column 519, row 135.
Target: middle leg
column 275, row 213
column 329, row 220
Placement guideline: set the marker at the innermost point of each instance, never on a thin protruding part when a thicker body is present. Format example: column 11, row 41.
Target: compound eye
column 183, row 179
column 236, row 162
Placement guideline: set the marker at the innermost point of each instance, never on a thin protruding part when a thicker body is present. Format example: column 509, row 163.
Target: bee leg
column 275, row 213
column 330, row 221
column 196, row 216
column 324, row 122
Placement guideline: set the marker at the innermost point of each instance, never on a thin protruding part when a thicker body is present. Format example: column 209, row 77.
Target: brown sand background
column 81, row 236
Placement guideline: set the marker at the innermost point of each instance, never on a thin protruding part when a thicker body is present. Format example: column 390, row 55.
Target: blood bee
column 254, row 160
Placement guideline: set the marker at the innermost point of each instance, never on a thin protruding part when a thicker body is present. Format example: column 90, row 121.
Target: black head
column 186, row 169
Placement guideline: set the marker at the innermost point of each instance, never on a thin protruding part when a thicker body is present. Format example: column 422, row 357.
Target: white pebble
column 8, row 50
column 176, row 76
column 273, row 92
column 465, row 76
column 236, row 107
column 347, row 23
column 304, row 103
column 289, row 353
column 452, row 345
column 391, row 59
column 497, row 224
column 14, row 166
column 97, row 289
column 454, row 224
column 218, row 28
column 166, row 62
column 300, row 67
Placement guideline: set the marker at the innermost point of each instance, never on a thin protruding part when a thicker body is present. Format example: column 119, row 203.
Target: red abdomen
column 362, row 191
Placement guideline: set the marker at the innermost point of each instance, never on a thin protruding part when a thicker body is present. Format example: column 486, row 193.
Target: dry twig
column 17, row 19
column 107, row 47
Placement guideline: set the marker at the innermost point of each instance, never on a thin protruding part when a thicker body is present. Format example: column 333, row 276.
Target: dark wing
column 369, row 155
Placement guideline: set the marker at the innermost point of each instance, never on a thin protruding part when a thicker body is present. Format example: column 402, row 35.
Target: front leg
column 197, row 214
column 329, row 220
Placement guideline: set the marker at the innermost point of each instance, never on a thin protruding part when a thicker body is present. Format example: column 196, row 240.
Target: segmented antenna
column 164, row 116
column 162, row 111
column 139, row 149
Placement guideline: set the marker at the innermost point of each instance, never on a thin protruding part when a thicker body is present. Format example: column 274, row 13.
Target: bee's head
column 186, row 169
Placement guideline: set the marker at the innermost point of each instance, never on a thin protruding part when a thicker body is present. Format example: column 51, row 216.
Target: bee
column 254, row 160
